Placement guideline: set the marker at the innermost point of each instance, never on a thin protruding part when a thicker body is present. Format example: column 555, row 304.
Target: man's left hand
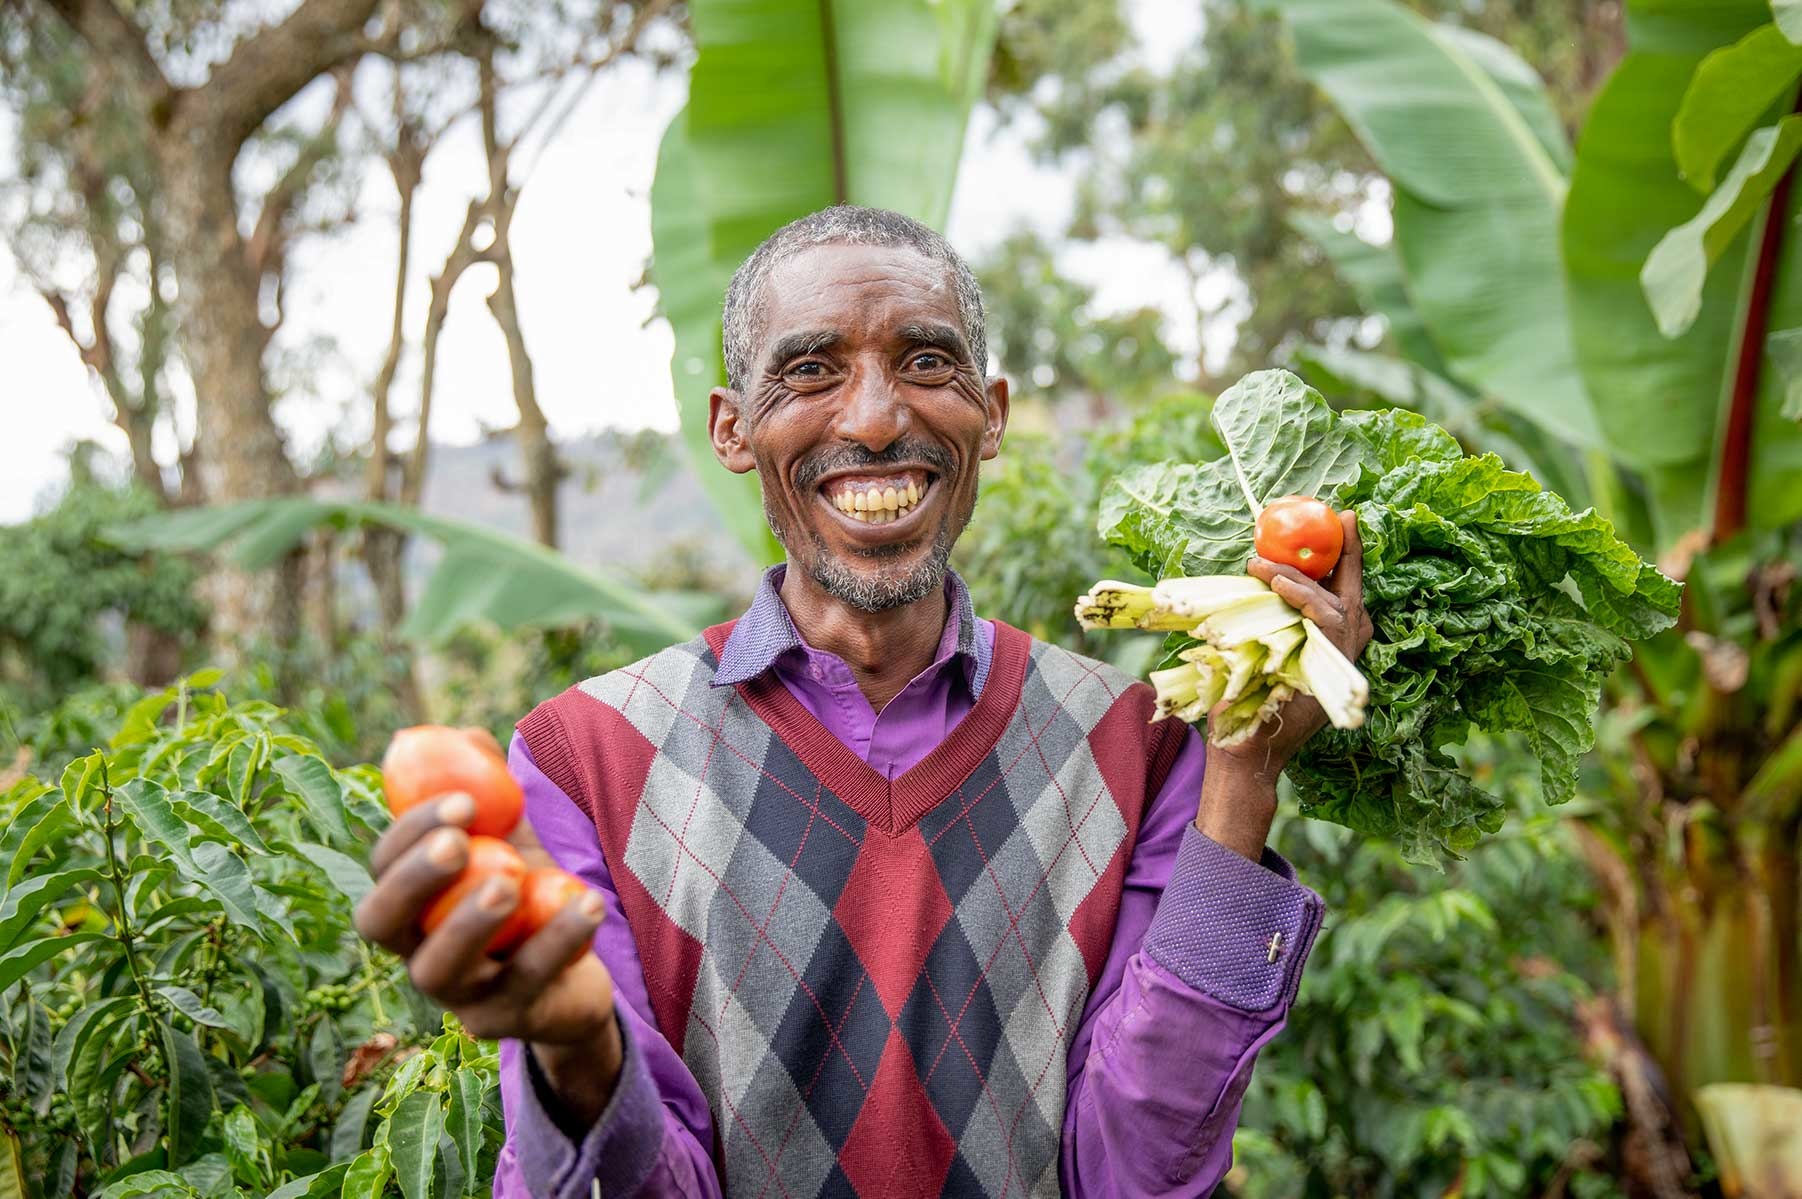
column 1336, row 604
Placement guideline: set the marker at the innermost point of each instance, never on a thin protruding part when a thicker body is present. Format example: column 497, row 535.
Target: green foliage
column 793, row 107
column 188, row 1009
column 1436, row 1037
column 1478, row 163
column 482, row 576
column 1702, row 86
column 1031, row 546
column 63, row 581
column 1496, row 606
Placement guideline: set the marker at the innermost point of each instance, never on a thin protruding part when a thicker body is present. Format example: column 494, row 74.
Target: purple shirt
column 1207, row 952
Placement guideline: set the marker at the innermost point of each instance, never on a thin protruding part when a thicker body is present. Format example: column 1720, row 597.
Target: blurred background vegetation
column 1441, row 204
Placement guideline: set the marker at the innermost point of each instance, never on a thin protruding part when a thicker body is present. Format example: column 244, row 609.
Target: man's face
column 865, row 418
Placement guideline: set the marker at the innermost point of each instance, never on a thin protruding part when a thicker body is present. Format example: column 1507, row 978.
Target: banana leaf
column 481, row 576
column 1478, row 162
column 795, row 105
column 1663, row 402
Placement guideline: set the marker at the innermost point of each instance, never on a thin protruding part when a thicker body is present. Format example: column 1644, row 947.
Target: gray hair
column 849, row 225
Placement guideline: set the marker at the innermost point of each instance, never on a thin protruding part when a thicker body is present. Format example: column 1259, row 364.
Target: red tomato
column 1302, row 532
column 548, row 891
column 431, row 760
column 488, row 857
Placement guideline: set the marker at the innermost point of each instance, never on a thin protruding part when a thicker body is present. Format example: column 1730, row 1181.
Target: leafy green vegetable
column 1496, row 607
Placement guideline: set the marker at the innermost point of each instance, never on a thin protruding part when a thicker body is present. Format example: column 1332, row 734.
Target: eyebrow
column 939, row 337
column 794, row 345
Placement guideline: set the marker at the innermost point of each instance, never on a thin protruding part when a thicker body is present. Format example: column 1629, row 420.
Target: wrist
column 1238, row 802
column 584, row 1073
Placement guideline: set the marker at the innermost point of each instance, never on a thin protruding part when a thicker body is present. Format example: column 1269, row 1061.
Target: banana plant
column 1664, row 249
column 481, row 575
column 795, row 105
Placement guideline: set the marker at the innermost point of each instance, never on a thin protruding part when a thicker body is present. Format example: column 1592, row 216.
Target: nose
column 874, row 413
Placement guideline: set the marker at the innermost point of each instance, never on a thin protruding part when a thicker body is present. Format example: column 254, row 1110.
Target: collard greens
column 1496, row 607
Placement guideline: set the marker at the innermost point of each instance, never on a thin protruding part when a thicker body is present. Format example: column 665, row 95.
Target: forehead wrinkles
column 884, row 292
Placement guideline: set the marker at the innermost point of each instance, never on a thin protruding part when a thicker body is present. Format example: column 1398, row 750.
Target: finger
column 1348, row 573
column 1298, row 591
column 549, row 951
column 410, row 826
column 453, row 963
column 389, row 914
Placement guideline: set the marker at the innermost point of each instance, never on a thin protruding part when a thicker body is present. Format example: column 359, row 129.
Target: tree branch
column 266, row 239
column 268, row 68
column 118, row 42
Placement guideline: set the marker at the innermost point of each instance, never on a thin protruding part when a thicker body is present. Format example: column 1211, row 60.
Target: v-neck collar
column 892, row 806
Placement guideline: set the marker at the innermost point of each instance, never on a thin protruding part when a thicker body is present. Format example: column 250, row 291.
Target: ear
column 994, row 404
column 726, row 427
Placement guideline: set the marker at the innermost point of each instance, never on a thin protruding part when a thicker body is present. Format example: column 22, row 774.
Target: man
column 897, row 900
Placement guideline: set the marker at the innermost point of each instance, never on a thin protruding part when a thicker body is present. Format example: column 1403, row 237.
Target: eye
column 931, row 360
column 807, row 370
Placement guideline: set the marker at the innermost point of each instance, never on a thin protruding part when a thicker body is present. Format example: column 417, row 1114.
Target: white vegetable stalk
column 1254, row 652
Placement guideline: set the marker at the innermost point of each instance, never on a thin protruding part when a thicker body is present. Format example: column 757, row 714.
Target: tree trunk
column 1709, row 953
column 223, row 340
column 152, row 656
column 543, row 470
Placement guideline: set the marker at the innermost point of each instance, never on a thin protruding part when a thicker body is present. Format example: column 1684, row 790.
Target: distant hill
column 631, row 504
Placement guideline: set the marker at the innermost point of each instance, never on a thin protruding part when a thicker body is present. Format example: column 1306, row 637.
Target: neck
column 884, row 650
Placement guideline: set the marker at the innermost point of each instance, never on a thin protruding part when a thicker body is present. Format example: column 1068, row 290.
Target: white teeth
column 879, row 505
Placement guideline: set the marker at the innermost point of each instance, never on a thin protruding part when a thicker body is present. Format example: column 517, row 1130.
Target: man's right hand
column 564, row 1008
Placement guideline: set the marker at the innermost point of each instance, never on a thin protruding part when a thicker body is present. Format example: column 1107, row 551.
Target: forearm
column 1238, row 802
column 1137, row 1126
column 583, row 1076
column 1204, row 984
column 637, row 1145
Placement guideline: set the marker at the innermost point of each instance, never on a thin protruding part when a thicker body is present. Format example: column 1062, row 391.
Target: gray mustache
column 855, row 458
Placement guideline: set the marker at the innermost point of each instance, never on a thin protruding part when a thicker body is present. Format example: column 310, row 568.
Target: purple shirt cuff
column 1236, row 930
column 620, row 1150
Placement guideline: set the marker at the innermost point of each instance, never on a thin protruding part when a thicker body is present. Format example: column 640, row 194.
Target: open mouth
column 879, row 499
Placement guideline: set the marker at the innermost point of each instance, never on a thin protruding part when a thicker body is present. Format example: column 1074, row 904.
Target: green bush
column 187, row 1008
column 62, row 580
column 1435, row 1045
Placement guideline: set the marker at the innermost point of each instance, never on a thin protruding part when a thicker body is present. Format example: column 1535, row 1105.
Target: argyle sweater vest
column 875, row 983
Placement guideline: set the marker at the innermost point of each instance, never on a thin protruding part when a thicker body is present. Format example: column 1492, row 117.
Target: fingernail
column 455, row 809
column 497, row 895
column 591, row 906
column 442, row 850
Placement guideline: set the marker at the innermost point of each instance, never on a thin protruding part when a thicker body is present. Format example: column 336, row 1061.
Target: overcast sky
column 580, row 241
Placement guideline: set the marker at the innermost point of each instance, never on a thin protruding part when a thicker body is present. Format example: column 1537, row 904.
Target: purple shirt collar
column 766, row 632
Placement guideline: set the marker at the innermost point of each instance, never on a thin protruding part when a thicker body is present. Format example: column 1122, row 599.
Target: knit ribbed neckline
column 892, row 806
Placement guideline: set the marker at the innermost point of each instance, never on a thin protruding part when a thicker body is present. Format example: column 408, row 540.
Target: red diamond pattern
column 899, row 1148
column 892, row 909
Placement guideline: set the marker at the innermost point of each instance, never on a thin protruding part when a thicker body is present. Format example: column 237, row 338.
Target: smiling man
column 898, row 901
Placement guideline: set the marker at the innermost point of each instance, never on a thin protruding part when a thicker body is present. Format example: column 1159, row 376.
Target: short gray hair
column 848, row 225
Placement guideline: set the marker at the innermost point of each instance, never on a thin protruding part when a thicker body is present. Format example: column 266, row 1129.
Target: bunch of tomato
column 431, row 761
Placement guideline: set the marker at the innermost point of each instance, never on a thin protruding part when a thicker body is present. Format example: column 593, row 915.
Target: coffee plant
column 185, row 1007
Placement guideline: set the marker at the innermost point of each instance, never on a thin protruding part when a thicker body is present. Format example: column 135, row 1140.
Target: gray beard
column 866, row 594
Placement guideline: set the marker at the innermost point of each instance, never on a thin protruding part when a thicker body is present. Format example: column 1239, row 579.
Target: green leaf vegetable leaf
column 1281, row 439
column 1496, row 607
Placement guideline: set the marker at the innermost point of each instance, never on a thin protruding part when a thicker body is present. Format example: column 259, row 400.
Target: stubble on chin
column 881, row 591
